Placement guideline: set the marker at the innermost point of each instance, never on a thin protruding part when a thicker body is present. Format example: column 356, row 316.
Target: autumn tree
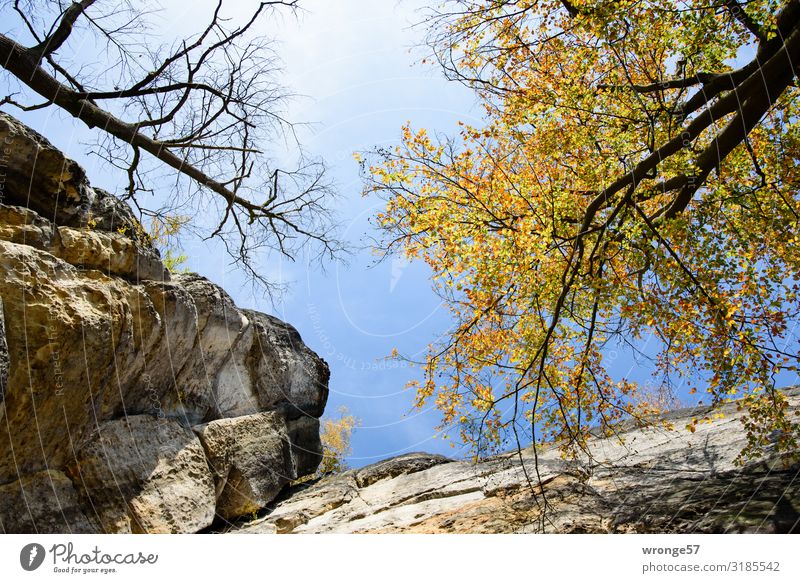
column 202, row 111
column 336, row 434
column 637, row 174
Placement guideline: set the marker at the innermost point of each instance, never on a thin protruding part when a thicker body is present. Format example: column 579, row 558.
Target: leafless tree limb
column 206, row 107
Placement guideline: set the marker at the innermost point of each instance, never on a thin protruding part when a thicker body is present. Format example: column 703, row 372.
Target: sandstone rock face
column 253, row 457
column 3, row 355
column 45, row 503
column 49, row 198
column 41, row 178
column 656, row 480
column 145, row 474
column 107, row 362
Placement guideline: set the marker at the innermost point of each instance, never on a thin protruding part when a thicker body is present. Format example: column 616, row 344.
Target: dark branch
column 59, row 36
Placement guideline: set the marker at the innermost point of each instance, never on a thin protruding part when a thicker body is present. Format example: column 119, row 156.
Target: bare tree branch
column 58, row 37
column 206, row 108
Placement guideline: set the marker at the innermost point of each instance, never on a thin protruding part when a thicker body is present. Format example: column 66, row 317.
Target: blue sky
column 355, row 63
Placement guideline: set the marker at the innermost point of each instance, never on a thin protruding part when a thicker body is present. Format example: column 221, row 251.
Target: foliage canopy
column 637, row 174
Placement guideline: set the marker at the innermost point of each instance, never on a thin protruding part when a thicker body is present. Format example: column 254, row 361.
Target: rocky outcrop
column 115, row 374
column 647, row 480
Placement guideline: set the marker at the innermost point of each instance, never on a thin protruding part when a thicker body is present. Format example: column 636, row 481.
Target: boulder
column 409, row 463
column 285, row 370
column 306, row 444
column 252, row 458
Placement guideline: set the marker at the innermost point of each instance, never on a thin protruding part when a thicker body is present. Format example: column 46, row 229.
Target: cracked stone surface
column 654, row 480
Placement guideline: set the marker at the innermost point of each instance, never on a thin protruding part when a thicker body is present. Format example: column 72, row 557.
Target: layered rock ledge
column 652, row 480
column 132, row 399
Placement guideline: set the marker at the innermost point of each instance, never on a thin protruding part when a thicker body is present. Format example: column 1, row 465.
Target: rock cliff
column 653, row 480
column 131, row 399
